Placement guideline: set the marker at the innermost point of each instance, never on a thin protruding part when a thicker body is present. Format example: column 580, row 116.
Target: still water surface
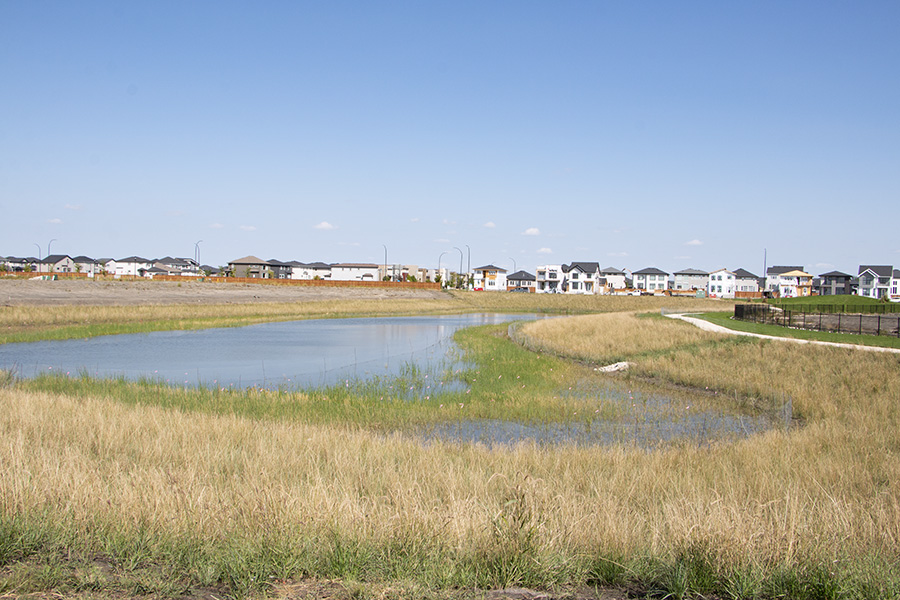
column 283, row 355
column 318, row 353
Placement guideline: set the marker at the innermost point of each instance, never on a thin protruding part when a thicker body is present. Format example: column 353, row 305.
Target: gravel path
column 707, row 326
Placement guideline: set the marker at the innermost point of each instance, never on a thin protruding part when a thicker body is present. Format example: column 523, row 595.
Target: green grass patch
column 725, row 320
column 836, row 304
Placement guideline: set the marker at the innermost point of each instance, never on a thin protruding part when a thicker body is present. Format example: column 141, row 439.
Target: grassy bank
column 33, row 323
column 144, row 491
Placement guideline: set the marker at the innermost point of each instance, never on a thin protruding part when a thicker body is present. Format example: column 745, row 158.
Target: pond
column 285, row 355
column 321, row 353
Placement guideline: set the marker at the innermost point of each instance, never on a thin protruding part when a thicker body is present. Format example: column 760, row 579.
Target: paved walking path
column 707, row 326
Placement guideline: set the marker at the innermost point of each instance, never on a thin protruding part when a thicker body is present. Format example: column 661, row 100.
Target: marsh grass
column 173, row 496
column 33, row 323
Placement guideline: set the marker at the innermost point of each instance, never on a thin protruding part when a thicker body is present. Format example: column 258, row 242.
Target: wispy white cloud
column 544, row 251
column 693, row 243
column 216, row 226
column 73, row 207
column 55, row 221
column 532, row 231
column 325, row 226
column 490, row 225
column 248, row 227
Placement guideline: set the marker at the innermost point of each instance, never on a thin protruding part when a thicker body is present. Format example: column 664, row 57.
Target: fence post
column 878, row 330
column 860, row 324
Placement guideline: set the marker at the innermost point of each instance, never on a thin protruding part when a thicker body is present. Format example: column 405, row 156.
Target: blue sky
column 635, row 134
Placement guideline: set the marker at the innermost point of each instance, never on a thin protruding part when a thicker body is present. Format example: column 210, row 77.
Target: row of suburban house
column 874, row 281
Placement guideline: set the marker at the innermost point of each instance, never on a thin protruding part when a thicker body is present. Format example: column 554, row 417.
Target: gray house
column 520, row 280
column 691, row 279
column 834, row 283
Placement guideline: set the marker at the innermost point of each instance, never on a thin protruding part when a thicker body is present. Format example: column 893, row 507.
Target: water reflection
column 284, row 355
column 617, row 413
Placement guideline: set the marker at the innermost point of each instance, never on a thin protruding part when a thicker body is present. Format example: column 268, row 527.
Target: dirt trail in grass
column 17, row 292
column 707, row 326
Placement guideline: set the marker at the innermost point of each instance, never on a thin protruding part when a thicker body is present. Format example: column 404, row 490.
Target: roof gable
column 744, row 274
column 778, row 270
column 650, row 271
column 691, row 272
column 248, row 260
column 880, row 270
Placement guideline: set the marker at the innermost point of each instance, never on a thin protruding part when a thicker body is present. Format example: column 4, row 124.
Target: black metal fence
column 868, row 324
column 838, row 307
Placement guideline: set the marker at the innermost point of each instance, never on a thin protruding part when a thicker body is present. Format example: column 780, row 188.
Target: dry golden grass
column 825, row 490
column 821, row 493
column 611, row 337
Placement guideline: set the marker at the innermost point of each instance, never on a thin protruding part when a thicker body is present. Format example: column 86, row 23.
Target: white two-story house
column 548, row 279
column 582, row 278
column 650, row 279
column 354, row 272
column 615, row 278
column 490, row 278
column 131, row 265
column 875, row 280
column 721, row 284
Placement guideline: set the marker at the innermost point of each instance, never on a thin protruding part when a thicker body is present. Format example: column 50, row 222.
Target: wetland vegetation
column 115, row 487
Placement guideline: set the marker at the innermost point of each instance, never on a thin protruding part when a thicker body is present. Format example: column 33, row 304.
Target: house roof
column 779, row 270
column 611, row 271
column 317, row 265
column 797, row 273
column 649, row 271
column 83, row 259
column 720, row 270
column 691, row 272
column 489, row 268
column 132, row 259
column 880, row 270
column 744, row 274
column 585, row 266
column 836, row 274
column 520, row 276
column 52, row 259
column 355, row 265
column 248, row 260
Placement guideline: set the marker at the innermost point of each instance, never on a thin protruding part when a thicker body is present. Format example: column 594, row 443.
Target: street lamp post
column 40, row 258
column 468, row 264
column 48, row 246
column 515, row 269
column 197, row 252
column 439, row 266
column 460, row 259
column 385, row 260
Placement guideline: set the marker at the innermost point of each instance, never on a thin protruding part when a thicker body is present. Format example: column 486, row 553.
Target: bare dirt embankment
column 15, row 292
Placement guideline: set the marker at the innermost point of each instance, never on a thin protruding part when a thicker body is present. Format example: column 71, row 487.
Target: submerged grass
column 110, row 487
